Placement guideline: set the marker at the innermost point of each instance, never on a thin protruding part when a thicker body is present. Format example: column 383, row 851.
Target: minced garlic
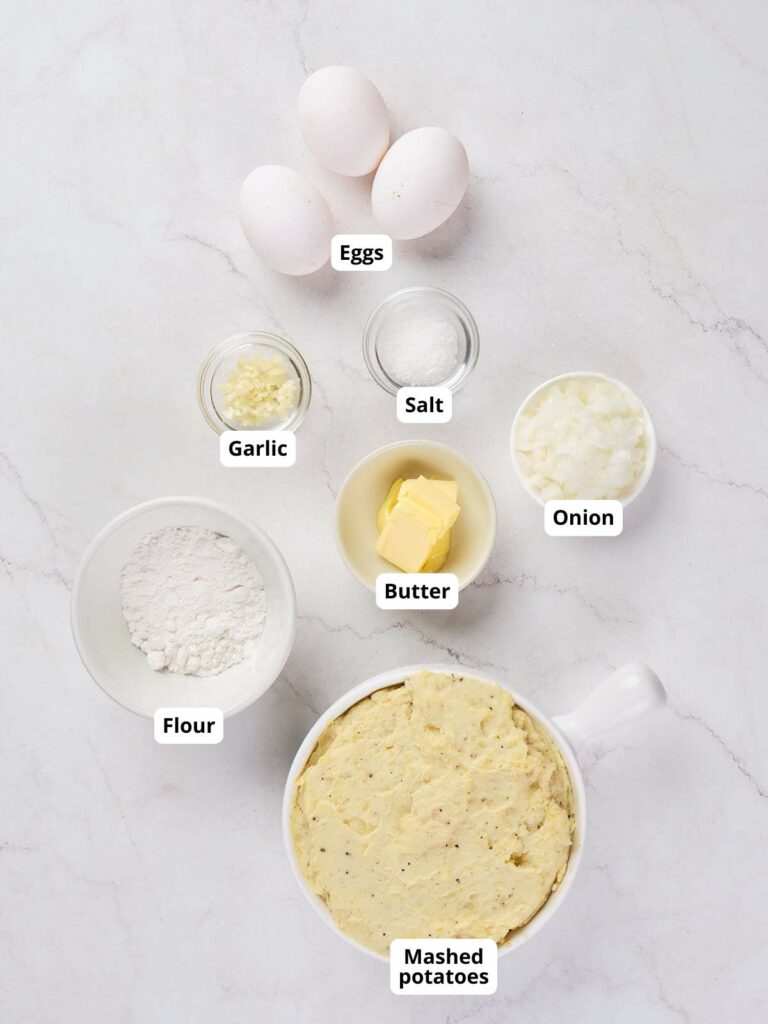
column 259, row 390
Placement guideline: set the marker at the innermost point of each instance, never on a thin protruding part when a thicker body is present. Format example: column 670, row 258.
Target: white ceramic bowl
column 650, row 459
column 629, row 692
column 367, row 486
column 101, row 635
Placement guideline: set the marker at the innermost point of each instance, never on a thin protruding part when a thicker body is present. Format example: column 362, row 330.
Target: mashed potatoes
column 433, row 808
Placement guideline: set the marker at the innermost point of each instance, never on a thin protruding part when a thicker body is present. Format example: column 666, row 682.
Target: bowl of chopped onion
column 583, row 435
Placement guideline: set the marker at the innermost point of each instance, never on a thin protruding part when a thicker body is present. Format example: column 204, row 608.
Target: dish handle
column 629, row 692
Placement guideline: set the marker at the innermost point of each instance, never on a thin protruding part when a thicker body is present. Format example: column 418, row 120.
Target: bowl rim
column 652, row 444
column 392, row 677
column 420, row 443
column 462, row 311
column 181, row 500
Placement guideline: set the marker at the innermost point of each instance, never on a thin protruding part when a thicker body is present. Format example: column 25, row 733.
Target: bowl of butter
column 416, row 507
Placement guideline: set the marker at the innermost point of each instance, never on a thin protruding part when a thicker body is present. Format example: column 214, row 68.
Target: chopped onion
column 582, row 437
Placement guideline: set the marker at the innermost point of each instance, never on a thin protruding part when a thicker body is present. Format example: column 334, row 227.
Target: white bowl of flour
column 181, row 603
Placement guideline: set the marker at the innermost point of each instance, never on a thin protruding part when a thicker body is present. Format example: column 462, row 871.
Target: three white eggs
column 419, row 181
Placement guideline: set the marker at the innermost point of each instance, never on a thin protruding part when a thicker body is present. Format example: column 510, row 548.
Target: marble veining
column 616, row 220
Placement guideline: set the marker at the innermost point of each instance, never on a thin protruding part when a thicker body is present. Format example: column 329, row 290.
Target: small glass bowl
column 220, row 362
column 419, row 299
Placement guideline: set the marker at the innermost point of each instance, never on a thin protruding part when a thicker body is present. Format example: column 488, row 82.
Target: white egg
column 420, row 182
column 343, row 120
column 286, row 220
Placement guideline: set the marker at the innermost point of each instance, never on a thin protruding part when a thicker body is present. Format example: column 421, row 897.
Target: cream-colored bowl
column 101, row 635
column 367, row 486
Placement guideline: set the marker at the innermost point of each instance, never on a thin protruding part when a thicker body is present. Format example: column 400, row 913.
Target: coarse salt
column 420, row 350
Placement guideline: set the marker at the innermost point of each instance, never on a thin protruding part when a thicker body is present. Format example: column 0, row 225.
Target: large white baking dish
column 629, row 692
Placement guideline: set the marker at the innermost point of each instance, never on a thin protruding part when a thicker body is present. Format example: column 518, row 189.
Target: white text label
column 443, row 966
column 406, row 590
column 189, row 725
column 424, row 405
column 361, row 252
column 245, row 448
column 590, row 518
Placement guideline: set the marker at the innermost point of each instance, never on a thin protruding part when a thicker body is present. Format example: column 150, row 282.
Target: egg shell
column 343, row 120
column 285, row 220
column 420, row 182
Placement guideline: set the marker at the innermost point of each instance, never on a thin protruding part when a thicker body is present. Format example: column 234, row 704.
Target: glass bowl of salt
column 421, row 337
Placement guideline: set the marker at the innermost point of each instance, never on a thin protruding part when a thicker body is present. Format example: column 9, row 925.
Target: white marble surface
column 616, row 220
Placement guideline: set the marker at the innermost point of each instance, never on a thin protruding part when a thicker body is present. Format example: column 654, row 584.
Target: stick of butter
column 414, row 523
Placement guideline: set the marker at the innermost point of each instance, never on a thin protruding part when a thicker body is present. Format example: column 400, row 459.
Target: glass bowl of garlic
column 254, row 381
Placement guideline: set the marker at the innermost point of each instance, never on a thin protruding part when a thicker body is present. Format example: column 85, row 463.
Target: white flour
column 192, row 601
